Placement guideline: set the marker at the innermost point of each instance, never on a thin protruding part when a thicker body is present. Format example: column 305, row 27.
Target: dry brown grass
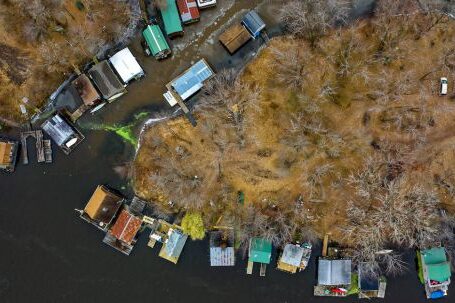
column 331, row 137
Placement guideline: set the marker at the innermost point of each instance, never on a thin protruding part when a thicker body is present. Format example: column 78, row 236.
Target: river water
column 49, row 255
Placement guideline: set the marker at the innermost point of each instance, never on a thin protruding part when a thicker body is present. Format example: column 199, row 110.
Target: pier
column 41, row 155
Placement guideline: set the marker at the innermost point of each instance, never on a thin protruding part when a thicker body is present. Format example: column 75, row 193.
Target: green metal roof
column 435, row 259
column 171, row 18
column 260, row 251
column 155, row 39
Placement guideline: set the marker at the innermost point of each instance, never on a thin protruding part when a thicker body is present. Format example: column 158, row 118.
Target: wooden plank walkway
column 48, row 151
column 249, row 268
column 40, row 146
column 381, row 291
column 262, row 269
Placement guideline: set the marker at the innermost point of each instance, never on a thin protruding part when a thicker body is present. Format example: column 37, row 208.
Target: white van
column 443, row 86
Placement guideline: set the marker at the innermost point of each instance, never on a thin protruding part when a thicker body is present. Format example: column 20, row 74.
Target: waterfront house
column 126, row 65
column 253, row 23
column 294, row 257
column 170, row 235
column 435, row 271
column 8, row 154
column 156, row 43
column 106, row 81
column 189, row 12
column 234, row 38
column 102, row 208
column 188, row 83
column 62, row 132
column 86, row 90
column 334, row 277
column 171, row 19
column 370, row 284
column 260, row 251
column 205, row 3
column 123, row 233
column 222, row 251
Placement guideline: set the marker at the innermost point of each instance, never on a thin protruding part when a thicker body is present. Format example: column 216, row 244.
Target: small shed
column 253, row 23
column 173, row 246
column 156, row 42
column 234, row 38
column 191, row 81
column 222, row 251
column 294, row 257
column 102, row 207
column 107, row 82
column 62, row 132
column 86, row 90
column 8, row 154
column 126, row 65
column 260, row 251
column 334, row 272
column 206, row 3
column 122, row 235
column 189, row 12
column 171, row 19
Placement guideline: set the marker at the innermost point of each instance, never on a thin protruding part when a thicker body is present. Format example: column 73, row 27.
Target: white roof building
column 126, row 65
column 334, row 272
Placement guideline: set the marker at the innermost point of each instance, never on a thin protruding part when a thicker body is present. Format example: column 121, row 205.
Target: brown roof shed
column 103, row 205
column 234, row 37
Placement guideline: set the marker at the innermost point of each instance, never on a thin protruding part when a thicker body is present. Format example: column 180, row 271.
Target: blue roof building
column 253, row 23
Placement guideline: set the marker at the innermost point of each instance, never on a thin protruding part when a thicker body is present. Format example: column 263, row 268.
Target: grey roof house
column 106, row 81
column 62, row 132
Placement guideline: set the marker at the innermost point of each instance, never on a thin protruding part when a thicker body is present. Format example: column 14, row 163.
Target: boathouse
column 106, row 81
column 122, row 234
column 222, row 251
column 188, row 83
column 234, row 38
column 86, row 91
column 8, row 155
column 171, row 19
column 156, row 43
column 260, row 251
column 205, row 3
column 294, row 257
column 173, row 245
column 334, row 277
column 126, row 65
column 436, row 272
column 63, row 133
column 370, row 284
column 189, row 12
column 102, row 208
column 253, row 23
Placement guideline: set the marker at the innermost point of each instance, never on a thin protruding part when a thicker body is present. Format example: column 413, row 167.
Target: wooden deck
column 262, row 269
column 40, row 153
column 249, row 268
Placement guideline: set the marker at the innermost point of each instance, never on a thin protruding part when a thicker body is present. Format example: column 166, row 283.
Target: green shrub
column 193, row 225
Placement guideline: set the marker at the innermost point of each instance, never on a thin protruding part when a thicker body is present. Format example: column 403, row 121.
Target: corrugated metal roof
column 253, row 23
column 171, row 19
column 334, row 272
column 126, row 65
column 234, row 37
column 126, row 227
column 175, row 243
column 188, row 10
column 155, row 39
column 292, row 255
column 103, row 205
column 60, row 131
column 260, row 250
column 222, row 256
column 192, row 80
column 106, row 80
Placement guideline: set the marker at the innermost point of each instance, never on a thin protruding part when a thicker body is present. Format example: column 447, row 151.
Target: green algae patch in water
column 125, row 132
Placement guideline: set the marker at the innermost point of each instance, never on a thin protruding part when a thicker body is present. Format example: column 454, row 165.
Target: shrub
column 193, row 225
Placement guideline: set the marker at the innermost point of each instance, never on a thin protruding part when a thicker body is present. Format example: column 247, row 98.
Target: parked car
column 443, row 86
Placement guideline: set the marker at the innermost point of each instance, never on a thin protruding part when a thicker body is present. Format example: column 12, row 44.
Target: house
column 122, row 234
column 157, row 45
column 222, row 251
column 8, row 155
column 334, row 277
column 126, row 65
column 170, row 235
column 86, row 90
column 370, row 285
column 189, row 12
column 101, row 208
column 106, row 81
column 234, row 38
column 294, row 257
column 171, row 19
column 260, row 251
column 188, row 83
column 62, row 132
column 205, row 3
column 436, row 272
column 253, row 23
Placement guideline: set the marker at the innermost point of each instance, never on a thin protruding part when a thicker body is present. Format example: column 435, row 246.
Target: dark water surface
column 49, row 255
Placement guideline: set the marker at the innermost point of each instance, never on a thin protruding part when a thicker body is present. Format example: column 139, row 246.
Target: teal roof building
column 171, row 19
column 260, row 251
column 156, row 42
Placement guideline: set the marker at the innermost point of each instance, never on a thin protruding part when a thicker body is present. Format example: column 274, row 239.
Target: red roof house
column 189, row 12
column 122, row 235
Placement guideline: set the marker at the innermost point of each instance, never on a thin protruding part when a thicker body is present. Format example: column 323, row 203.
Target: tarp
column 126, row 65
column 435, row 260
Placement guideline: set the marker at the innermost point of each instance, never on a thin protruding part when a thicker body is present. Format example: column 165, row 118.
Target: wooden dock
column 43, row 147
column 249, row 268
column 382, row 287
column 47, row 151
column 262, row 269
